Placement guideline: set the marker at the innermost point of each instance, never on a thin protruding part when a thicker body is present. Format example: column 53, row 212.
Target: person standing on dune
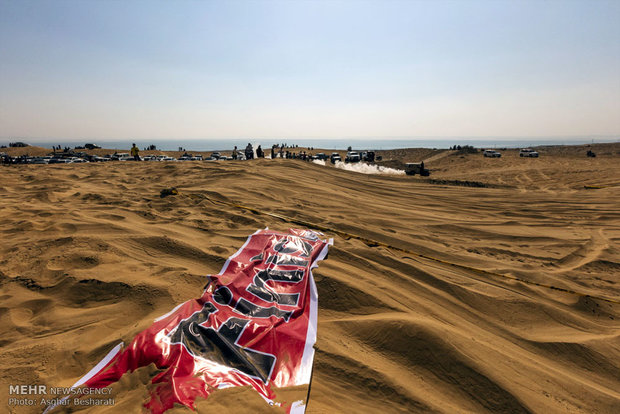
column 249, row 152
column 135, row 151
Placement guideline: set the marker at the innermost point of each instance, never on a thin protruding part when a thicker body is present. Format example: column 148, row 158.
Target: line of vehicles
column 80, row 157
column 75, row 158
column 361, row 156
column 351, row 157
column 24, row 159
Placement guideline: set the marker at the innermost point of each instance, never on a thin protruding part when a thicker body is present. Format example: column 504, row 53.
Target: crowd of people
column 277, row 151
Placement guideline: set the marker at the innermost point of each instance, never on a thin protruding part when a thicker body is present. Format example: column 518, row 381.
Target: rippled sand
column 90, row 255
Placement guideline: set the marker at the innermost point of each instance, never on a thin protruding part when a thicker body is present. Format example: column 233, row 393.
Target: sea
column 366, row 143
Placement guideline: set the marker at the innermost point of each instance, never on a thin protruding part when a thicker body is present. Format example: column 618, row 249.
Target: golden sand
column 90, row 255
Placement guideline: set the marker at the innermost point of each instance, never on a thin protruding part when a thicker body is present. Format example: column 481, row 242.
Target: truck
column 413, row 168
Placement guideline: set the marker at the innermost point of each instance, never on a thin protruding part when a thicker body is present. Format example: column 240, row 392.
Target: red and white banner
column 255, row 325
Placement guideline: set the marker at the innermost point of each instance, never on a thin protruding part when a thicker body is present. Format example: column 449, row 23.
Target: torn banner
column 254, row 325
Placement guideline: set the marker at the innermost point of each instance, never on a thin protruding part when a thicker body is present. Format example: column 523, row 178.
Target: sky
column 97, row 69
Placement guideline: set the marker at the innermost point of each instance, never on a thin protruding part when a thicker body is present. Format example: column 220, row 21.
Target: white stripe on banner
column 298, row 407
column 169, row 313
column 305, row 372
column 99, row 366
column 102, row 364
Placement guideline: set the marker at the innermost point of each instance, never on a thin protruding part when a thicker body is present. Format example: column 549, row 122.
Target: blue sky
column 297, row 69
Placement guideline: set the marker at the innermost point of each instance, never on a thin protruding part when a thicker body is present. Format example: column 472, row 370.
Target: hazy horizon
column 155, row 70
column 325, row 143
column 568, row 138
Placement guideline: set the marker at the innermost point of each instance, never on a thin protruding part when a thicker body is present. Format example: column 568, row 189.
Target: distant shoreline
column 336, row 144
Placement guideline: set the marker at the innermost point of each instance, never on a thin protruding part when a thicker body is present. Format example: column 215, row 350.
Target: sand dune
column 91, row 254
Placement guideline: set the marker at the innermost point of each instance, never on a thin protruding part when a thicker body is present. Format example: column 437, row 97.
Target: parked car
column 528, row 152
column 40, row 160
column 492, row 154
column 121, row 157
column 216, row 155
column 353, row 156
column 335, row 157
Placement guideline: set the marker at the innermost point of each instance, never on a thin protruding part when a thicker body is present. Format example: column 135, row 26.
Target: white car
column 492, row 154
column 527, row 152
column 165, row 158
column 353, row 156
